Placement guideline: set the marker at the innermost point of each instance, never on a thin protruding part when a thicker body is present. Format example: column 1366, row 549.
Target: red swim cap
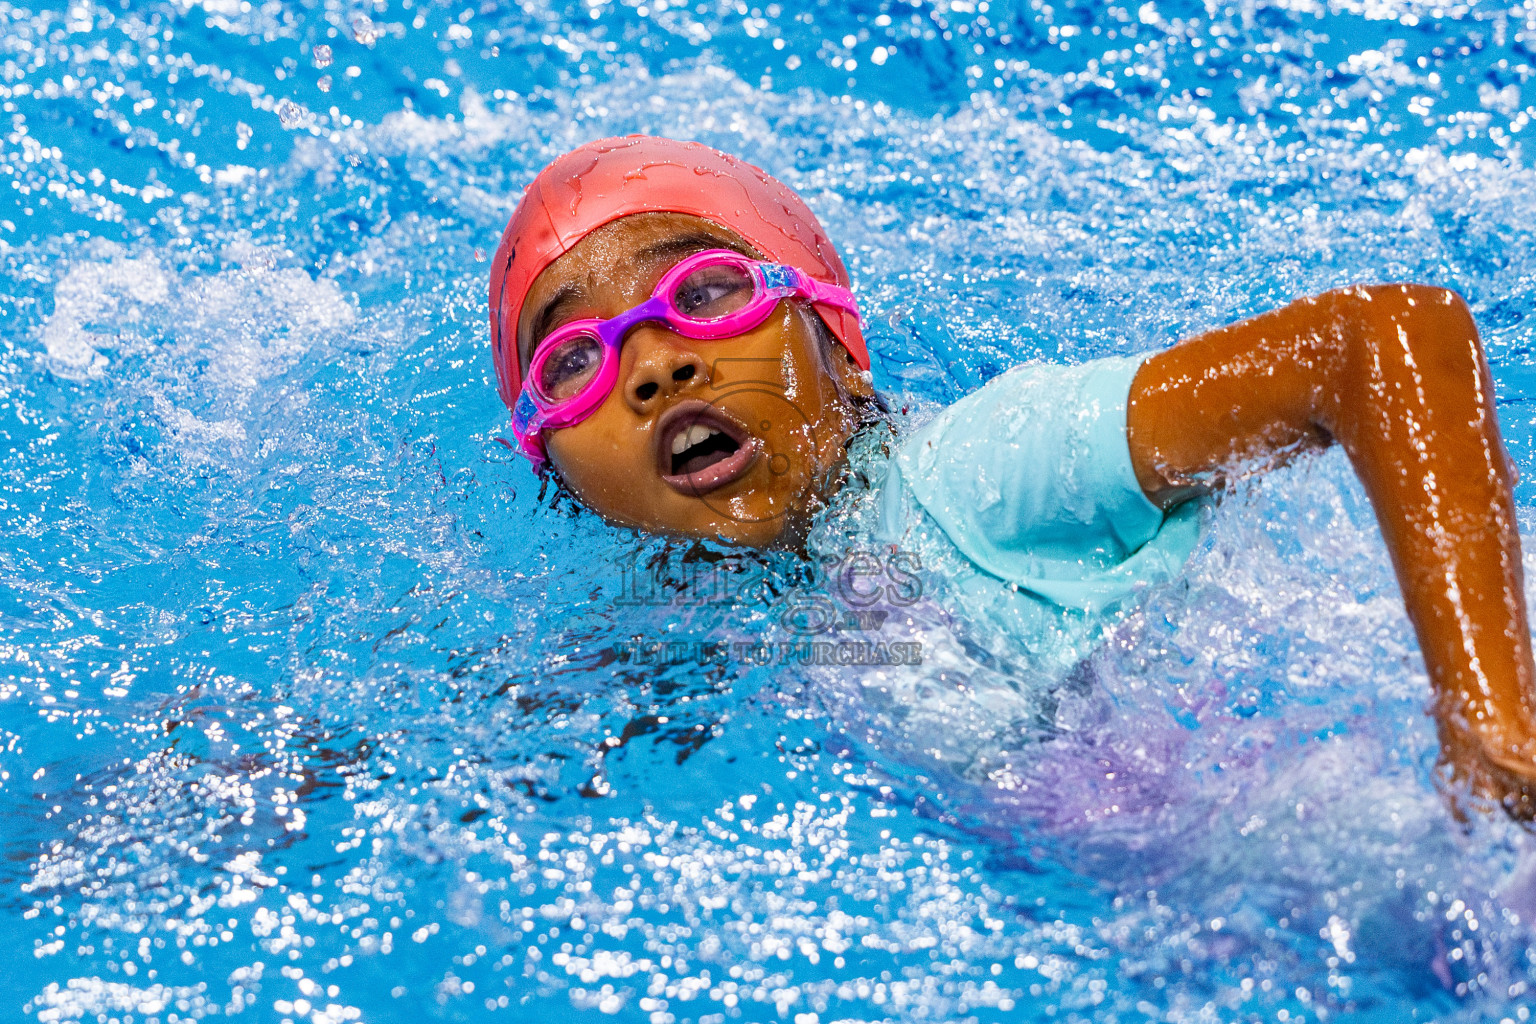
column 612, row 178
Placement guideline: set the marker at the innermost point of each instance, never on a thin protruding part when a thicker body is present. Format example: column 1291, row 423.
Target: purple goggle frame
column 537, row 410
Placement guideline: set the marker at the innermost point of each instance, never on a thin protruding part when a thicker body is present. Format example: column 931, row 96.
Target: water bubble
column 322, row 56
column 242, row 134
column 324, row 83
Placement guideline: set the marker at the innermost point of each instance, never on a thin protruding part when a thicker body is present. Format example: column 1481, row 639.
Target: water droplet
column 322, row 56
column 364, row 30
column 574, row 181
column 291, row 114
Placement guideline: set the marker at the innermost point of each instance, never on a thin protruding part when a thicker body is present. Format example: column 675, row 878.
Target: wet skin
column 1396, row 376
column 769, row 388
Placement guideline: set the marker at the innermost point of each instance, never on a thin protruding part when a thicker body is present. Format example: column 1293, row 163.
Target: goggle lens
column 714, row 292
column 566, row 370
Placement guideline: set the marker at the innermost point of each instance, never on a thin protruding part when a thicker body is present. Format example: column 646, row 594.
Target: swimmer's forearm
column 1397, row 377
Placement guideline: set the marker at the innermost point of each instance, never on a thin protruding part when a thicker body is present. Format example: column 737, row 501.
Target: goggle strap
column 828, row 294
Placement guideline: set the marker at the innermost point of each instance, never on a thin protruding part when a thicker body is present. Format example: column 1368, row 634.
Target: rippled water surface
column 316, row 707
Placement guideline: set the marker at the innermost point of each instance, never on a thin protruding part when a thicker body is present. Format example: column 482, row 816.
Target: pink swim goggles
column 712, row 295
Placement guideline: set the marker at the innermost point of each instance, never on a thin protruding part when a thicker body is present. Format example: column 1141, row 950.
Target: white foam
column 91, row 305
column 195, row 346
column 258, row 319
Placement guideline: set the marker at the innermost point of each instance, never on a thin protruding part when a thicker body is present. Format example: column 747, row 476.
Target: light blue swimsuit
column 1029, row 481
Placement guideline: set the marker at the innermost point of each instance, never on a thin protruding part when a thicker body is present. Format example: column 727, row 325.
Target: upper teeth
column 696, row 434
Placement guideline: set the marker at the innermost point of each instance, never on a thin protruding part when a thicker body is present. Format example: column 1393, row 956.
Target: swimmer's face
column 732, row 438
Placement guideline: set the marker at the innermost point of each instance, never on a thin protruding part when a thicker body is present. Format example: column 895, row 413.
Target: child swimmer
column 676, row 339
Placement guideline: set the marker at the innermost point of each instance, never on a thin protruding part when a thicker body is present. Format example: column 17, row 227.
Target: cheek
column 787, row 342
column 806, row 433
column 810, row 420
column 600, row 448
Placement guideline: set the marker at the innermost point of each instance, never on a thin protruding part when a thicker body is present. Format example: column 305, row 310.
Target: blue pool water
column 317, row 707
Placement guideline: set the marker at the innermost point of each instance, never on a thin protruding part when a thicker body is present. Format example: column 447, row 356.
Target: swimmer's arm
column 1396, row 375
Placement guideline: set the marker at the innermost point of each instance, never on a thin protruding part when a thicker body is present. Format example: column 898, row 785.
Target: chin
column 764, row 534
column 770, row 534
column 745, row 515
column 778, row 531
column 783, row 531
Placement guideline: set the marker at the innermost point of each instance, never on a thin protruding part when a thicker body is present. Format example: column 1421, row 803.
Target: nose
column 664, row 365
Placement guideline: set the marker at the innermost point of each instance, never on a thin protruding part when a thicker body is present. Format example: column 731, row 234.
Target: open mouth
column 699, row 449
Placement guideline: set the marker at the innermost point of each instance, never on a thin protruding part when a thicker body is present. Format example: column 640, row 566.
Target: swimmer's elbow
column 1428, row 325
column 1405, row 352
column 1413, row 294
column 1399, row 301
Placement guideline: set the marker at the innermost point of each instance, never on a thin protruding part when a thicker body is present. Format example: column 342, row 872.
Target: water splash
column 292, row 707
